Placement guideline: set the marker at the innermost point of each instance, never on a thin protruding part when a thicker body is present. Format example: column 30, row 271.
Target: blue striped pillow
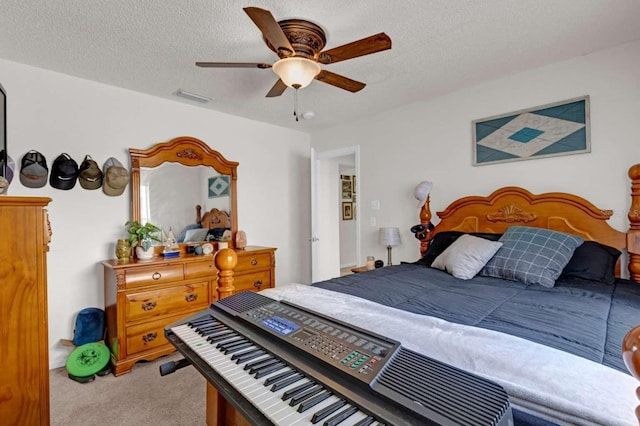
column 532, row 255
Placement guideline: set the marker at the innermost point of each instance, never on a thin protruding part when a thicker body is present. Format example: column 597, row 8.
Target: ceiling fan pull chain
column 295, row 103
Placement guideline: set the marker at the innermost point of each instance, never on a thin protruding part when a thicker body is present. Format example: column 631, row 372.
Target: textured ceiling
column 150, row 46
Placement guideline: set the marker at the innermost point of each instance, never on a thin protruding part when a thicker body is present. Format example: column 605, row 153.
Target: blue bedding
column 582, row 317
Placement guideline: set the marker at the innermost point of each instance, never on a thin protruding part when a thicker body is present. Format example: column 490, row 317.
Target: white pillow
column 466, row 256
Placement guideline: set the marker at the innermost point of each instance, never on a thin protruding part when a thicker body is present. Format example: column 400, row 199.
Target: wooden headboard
column 558, row 211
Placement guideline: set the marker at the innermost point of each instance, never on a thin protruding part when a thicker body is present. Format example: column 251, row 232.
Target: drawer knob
column 191, row 297
column 257, row 284
column 148, row 306
column 254, row 261
column 156, row 275
column 149, row 337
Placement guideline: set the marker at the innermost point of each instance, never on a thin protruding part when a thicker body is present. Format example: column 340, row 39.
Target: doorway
column 326, row 212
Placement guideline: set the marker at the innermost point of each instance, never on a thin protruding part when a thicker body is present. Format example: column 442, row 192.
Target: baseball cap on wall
column 34, row 170
column 64, row 172
column 90, row 175
column 116, row 177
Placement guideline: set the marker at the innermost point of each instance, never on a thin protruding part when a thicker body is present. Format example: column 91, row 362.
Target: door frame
column 316, row 159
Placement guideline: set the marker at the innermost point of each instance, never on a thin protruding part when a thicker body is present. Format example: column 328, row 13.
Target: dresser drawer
column 149, row 335
column 201, row 269
column 256, row 282
column 154, row 303
column 253, row 261
column 138, row 277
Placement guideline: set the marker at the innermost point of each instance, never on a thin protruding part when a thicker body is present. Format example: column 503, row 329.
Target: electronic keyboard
column 281, row 364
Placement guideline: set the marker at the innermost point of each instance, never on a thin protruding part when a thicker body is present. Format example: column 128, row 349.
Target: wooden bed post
column 633, row 236
column 425, row 220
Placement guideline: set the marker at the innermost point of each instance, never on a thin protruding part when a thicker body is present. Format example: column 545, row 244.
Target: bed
column 551, row 338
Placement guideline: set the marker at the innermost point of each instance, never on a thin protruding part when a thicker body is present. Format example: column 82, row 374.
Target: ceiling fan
column 298, row 44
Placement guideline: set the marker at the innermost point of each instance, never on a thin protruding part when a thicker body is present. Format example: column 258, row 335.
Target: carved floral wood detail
column 511, row 213
column 190, row 154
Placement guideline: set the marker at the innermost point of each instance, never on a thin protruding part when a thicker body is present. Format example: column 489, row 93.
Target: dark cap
column 90, row 176
column 64, row 172
column 116, row 177
column 34, row 170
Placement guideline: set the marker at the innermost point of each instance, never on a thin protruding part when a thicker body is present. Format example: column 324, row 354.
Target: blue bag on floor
column 89, row 326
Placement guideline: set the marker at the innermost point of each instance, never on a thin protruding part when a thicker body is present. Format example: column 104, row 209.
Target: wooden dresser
column 24, row 349
column 142, row 297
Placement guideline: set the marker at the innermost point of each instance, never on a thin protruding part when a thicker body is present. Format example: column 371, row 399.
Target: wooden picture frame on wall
column 559, row 128
column 347, row 210
column 347, row 187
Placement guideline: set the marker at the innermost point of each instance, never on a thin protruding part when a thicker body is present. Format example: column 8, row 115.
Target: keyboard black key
column 298, row 389
column 365, row 422
column 230, row 343
column 286, row 382
column 237, row 347
column 328, row 410
column 313, row 401
column 221, row 336
column 305, row 395
column 281, row 376
column 265, row 371
column 341, row 416
column 259, row 363
column 247, row 355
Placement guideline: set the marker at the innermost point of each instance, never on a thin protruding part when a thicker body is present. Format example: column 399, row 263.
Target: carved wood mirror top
column 170, row 179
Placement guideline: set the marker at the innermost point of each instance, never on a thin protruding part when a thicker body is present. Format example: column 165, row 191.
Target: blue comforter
column 585, row 318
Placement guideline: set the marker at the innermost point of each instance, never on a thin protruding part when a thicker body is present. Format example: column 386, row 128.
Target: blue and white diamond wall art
column 560, row 128
column 219, row 186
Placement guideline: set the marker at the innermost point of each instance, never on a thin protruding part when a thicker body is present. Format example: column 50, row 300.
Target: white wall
column 55, row 113
column 432, row 141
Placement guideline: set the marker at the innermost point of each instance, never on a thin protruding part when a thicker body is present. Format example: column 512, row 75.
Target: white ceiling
column 150, row 46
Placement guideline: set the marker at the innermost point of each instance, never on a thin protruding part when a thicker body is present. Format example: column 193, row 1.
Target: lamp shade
column 296, row 72
column 389, row 237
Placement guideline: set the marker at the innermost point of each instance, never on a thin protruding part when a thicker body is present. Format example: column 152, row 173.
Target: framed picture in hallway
column 347, row 187
column 347, row 210
column 559, row 128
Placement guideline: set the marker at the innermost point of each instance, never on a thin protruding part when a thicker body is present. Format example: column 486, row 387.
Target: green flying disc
column 88, row 359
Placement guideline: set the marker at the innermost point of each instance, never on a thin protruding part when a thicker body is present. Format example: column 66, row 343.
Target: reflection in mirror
column 170, row 194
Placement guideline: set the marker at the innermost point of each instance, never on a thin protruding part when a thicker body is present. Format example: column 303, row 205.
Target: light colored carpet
column 141, row 397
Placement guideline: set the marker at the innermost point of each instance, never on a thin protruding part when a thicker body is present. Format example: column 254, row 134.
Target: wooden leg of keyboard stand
column 220, row 412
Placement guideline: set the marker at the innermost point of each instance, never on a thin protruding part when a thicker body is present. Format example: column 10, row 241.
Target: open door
column 325, row 211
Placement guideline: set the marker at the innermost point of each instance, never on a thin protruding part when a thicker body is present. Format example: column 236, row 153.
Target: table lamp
column 389, row 237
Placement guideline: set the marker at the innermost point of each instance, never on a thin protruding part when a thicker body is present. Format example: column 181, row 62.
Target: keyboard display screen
column 280, row 325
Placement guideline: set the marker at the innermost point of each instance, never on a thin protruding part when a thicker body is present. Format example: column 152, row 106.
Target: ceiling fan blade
column 339, row 81
column 366, row 46
column 271, row 30
column 233, row 65
column 277, row 89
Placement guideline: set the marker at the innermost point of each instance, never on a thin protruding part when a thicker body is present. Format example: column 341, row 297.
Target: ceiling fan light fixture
column 296, row 72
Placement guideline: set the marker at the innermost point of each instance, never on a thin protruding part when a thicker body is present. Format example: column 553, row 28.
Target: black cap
column 64, row 172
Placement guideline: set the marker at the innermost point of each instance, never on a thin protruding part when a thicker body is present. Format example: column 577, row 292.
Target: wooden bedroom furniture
column 495, row 213
column 142, row 297
column 186, row 151
column 24, row 353
column 557, row 211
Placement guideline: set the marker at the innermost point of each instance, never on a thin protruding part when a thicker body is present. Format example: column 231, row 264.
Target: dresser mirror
column 171, row 179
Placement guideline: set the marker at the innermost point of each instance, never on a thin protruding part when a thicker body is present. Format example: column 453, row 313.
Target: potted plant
column 141, row 237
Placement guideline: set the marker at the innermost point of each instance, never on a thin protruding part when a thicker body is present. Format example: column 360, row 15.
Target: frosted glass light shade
column 296, row 72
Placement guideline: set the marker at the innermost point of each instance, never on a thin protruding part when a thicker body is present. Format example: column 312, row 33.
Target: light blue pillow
column 532, row 255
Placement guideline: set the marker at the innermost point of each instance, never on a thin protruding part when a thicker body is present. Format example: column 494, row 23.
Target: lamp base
column 388, row 255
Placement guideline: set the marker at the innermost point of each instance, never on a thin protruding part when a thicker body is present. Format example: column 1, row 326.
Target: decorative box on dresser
column 24, row 348
column 142, row 297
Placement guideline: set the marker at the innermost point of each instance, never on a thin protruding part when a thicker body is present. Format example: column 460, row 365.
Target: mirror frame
column 187, row 151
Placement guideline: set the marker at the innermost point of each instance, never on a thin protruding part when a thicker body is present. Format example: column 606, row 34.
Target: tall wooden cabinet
column 142, row 297
column 24, row 350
